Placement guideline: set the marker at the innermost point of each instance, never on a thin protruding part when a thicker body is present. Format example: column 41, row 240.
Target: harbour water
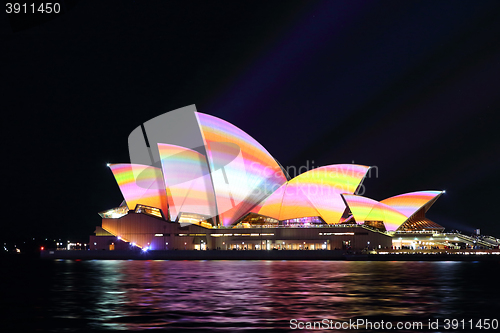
column 230, row 296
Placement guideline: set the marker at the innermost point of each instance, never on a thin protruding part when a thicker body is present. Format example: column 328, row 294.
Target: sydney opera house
column 197, row 182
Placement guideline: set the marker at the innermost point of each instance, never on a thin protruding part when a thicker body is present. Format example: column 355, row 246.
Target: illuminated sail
column 409, row 203
column 141, row 184
column 243, row 172
column 188, row 180
column 315, row 193
column 366, row 209
column 271, row 206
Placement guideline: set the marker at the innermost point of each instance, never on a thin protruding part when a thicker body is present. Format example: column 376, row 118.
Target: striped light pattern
column 141, row 184
column 243, row 172
column 187, row 178
column 391, row 217
column 234, row 175
column 360, row 206
column 297, row 202
column 315, row 193
column 288, row 202
column 322, row 186
column 335, row 178
column 271, row 206
column 409, row 203
column 366, row 209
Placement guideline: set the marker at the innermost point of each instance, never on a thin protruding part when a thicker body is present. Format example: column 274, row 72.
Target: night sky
column 410, row 87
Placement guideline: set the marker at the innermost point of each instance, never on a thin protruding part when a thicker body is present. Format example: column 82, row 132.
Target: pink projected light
column 315, row 193
column 243, row 172
column 271, row 206
column 409, row 203
column 141, row 184
column 366, row 209
column 187, row 177
column 296, row 202
column 325, row 184
column 360, row 206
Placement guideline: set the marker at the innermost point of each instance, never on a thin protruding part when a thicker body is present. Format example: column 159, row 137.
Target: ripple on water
column 234, row 295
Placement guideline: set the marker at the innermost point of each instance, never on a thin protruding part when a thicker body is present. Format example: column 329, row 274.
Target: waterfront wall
column 262, row 255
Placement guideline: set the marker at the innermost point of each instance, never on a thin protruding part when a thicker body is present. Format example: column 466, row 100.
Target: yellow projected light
column 187, row 177
column 141, row 184
column 366, row 209
column 315, row 193
column 243, row 172
column 409, row 203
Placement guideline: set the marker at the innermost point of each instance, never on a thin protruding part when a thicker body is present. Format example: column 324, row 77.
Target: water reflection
column 233, row 295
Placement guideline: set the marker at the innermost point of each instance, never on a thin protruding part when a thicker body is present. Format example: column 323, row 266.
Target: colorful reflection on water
column 250, row 295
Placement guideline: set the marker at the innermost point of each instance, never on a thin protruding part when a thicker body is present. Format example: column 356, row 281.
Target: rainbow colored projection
column 366, row 209
column 409, row 203
column 360, row 206
column 315, row 193
column 271, row 207
column 243, row 172
column 297, row 202
column 214, row 169
column 187, row 177
column 141, row 184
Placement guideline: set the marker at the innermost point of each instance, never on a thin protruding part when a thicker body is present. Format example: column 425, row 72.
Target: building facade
column 197, row 182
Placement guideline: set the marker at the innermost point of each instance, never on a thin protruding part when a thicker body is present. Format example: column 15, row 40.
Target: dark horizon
column 409, row 87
